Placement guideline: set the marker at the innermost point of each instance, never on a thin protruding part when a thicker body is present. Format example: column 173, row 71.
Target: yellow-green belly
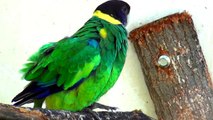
column 79, row 98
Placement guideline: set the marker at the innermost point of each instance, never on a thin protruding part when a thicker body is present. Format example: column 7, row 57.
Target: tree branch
column 9, row 112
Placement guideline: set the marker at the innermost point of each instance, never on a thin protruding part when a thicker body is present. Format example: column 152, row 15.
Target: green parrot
column 73, row 73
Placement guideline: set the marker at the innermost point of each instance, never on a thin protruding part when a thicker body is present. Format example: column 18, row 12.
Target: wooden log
column 8, row 112
column 181, row 90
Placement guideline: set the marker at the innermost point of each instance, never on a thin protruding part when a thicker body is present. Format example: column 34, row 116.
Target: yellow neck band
column 106, row 17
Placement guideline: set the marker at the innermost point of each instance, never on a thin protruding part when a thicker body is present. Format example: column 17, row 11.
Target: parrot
column 74, row 72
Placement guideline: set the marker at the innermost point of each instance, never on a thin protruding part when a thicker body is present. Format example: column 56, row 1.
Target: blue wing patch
column 93, row 43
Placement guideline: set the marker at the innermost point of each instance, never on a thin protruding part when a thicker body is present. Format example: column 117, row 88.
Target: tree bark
column 8, row 112
column 182, row 90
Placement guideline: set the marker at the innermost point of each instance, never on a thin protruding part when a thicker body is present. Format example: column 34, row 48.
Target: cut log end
column 159, row 25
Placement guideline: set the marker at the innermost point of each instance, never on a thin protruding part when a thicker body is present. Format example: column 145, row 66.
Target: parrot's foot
column 101, row 106
column 93, row 113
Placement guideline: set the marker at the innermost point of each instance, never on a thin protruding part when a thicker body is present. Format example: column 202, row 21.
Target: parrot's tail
column 32, row 92
column 35, row 91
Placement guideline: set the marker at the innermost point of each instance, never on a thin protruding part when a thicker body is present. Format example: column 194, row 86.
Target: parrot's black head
column 115, row 8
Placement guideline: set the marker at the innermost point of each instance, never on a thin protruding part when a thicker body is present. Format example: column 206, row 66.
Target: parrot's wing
column 59, row 66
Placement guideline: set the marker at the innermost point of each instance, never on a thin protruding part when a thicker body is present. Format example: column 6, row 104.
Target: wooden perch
column 8, row 112
column 175, row 69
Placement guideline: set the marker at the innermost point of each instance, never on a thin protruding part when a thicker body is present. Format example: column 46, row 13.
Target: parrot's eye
column 125, row 10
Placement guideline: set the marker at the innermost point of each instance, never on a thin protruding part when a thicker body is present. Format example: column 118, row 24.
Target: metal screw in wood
column 164, row 61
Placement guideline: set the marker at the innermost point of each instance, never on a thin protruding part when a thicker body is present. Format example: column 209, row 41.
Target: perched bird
column 76, row 71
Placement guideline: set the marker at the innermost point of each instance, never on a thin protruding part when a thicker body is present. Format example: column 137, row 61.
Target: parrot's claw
column 101, row 106
column 93, row 113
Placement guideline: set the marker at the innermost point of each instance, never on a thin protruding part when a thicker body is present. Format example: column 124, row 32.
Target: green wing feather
column 67, row 61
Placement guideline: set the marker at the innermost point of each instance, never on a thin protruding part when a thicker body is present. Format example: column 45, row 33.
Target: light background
column 25, row 25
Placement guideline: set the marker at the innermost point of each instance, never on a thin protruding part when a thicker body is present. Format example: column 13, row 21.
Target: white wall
column 25, row 25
